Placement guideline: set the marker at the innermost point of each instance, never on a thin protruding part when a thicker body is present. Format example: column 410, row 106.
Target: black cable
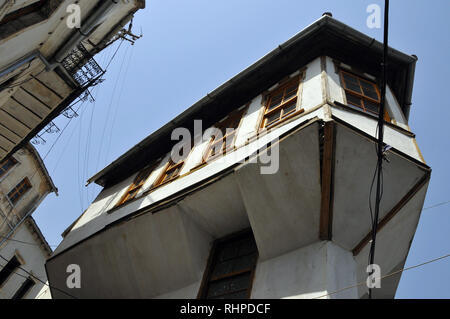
column 24, row 81
column 385, row 276
column 437, row 205
column 379, row 192
column 37, row 278
column 36, row 170
column 114, row 55
column 24, row 242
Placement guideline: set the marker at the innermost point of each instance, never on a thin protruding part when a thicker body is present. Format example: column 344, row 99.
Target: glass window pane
column 244, row 262
column 369, row 90
column 231, row 269
column 291, row 91
column 275, row 101
column 235, row 295
column 228, row 251
column 133, row 193
column 274, row 117
column 371, row 107
column 229, row 285
column 247, row 247
column 223, row 268
column 289, row 108
column 216, row 148
column 351, row 83
column 240, row 282
column 219, row 287
column 351, row 99
column 229, row 141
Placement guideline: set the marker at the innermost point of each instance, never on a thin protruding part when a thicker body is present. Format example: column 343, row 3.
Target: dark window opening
column 139, row 181
column 231, row 267
column 8, row 269
column 224, row 143
column 24, row 289
column 7, row 165
column 17, row 192
column 172, row 170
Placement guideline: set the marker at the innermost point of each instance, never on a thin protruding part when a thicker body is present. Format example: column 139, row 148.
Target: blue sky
column 191, row 47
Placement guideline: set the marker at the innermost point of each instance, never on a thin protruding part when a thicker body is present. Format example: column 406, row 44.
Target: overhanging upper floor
column 167, row 238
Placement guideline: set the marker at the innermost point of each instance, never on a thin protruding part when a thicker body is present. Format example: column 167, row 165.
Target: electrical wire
column 25, row 81
column 68, row 142
column 86, row 191
column 380, row 152
column 114, row 55
column 29, row 243
column 23, row 242
column 437, row 205
column 7, row 215
column 109, row 109
column 65, row 127
column 37, row 278
column 127, row 67
column 385, row 276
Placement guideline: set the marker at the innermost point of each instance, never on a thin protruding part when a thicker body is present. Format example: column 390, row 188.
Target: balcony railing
column 81, row 65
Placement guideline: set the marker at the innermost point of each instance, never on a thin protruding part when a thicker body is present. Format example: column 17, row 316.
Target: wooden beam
column 413, row 191
column 326, row 209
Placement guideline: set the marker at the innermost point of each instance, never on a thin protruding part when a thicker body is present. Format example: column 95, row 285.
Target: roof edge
column 40, row 162
column 324, row 20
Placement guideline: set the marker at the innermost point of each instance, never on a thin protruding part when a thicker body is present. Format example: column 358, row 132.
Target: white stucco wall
column 312, row 92
column 308, row 272
column 320, row 75
column 321, row 80
column 25, row 168
column 335, row 91
column 34, row 257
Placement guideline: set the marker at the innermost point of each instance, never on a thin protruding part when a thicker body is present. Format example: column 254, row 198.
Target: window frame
column 24, row 181
column 137, row 184
column 4, row 171
column 207, row 275
column 282, row 87
column 169, row 166
column 361, row 96
column 23, row 290
column 11, row 271
column 234, row 117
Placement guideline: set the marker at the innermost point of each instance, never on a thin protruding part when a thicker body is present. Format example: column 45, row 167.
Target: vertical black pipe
column 380, row 136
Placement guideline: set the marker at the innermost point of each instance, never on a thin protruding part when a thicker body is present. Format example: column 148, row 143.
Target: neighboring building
column 27, row 249
column 46, row 62
column 24, row 184
column 231, row 227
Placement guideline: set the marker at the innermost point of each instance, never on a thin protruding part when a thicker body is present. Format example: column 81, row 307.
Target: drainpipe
column 19, row 63
column 91, row 22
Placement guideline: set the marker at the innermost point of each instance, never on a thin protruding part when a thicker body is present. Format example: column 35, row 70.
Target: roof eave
column 324, row 21
column 40, row 162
